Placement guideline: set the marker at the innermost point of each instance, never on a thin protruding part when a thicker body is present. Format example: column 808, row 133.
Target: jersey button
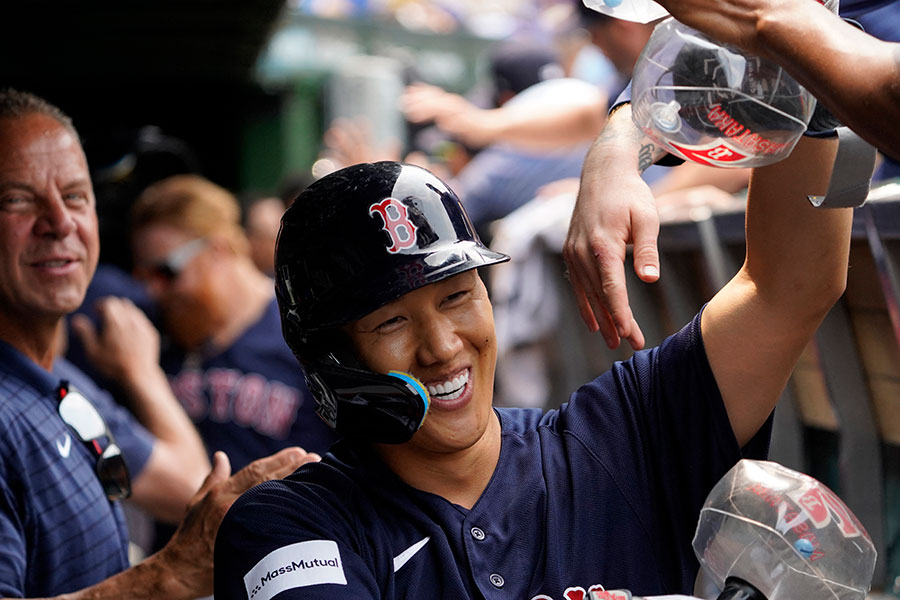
column 477, row 533
column 497, row 580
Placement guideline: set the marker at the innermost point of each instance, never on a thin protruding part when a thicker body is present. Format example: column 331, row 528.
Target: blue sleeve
column 12, row 539
column 623, row 98
column 132, row 437
column 660, row 421
column 852, row 9
column 294, row 543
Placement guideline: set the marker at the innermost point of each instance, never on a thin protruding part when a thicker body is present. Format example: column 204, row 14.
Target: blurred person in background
column 516, row 65
column 228, row 364
column 126, row 162
column 68, row 453
column 261, row 218
column 522, row 152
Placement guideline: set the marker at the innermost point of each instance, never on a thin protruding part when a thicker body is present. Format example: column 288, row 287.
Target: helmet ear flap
column 356, row 402
column 367, row 406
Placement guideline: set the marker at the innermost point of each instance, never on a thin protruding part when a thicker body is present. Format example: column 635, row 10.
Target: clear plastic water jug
column 714, row 104
column 784, row 532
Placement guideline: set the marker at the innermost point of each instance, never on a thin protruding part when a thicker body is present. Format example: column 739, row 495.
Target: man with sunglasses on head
column 66, row 449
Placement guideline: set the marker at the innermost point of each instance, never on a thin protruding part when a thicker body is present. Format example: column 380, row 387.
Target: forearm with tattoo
column 645, row 156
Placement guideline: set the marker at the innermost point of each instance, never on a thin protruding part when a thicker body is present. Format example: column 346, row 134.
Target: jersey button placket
column 497, row 580
column 477, row 533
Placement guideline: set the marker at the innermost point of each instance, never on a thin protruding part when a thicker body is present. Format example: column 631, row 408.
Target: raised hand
column 126, row 346
column 615, row 208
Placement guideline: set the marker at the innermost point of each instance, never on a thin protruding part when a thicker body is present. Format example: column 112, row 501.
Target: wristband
column 851, row 175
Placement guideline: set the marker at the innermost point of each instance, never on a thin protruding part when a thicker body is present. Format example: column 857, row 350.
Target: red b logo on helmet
column 396, row 223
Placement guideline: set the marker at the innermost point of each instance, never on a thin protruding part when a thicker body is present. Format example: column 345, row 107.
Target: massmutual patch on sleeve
column 297, row 565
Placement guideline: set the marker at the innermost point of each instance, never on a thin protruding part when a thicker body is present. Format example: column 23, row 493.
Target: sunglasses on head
column 85, row 420
column 174, row 263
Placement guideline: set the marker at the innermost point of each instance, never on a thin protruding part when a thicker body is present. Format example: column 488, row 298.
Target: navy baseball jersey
column 605, row 491
column 249, row 400
column 58, row 531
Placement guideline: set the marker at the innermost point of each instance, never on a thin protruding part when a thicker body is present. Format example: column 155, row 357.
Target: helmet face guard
column 352, row 242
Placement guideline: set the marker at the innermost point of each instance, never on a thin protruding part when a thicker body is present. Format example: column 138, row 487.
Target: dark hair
column 15, row 104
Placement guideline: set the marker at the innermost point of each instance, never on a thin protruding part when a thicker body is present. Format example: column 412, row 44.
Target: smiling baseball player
column 433, row 493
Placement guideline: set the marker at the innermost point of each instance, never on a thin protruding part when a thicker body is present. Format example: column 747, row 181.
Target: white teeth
column 454, row 395
column 450, row 390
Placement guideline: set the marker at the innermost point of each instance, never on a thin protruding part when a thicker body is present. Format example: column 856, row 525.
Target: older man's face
column 48, row 225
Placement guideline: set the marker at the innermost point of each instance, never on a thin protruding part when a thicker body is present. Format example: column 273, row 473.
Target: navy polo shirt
column 58, row 531
column 605, row 491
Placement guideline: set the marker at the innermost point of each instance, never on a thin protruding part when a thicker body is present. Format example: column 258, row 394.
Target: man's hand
column 452, row 113
column 350, row 141
column 614, row 208
column 127, row 344
column 188, row 557
column 609, row 216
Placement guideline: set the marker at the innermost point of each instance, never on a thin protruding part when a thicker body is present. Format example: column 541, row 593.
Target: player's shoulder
column 682, row 348
column 25, row 416
column 21, row 381
column 328, row 500
column 522, row 420
column 333, row 486
column 15, row 399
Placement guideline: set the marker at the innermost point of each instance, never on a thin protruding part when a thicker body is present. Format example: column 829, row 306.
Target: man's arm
column 127, row 350
column 755, row 327
column 533, row 126
column 183, row 569
column 855, row 75
column 614, row 208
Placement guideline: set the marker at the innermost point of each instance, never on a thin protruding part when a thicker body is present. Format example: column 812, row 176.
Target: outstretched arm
column 755, row 327
column 183, row 569
column 536, row 125
column 818, row 49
